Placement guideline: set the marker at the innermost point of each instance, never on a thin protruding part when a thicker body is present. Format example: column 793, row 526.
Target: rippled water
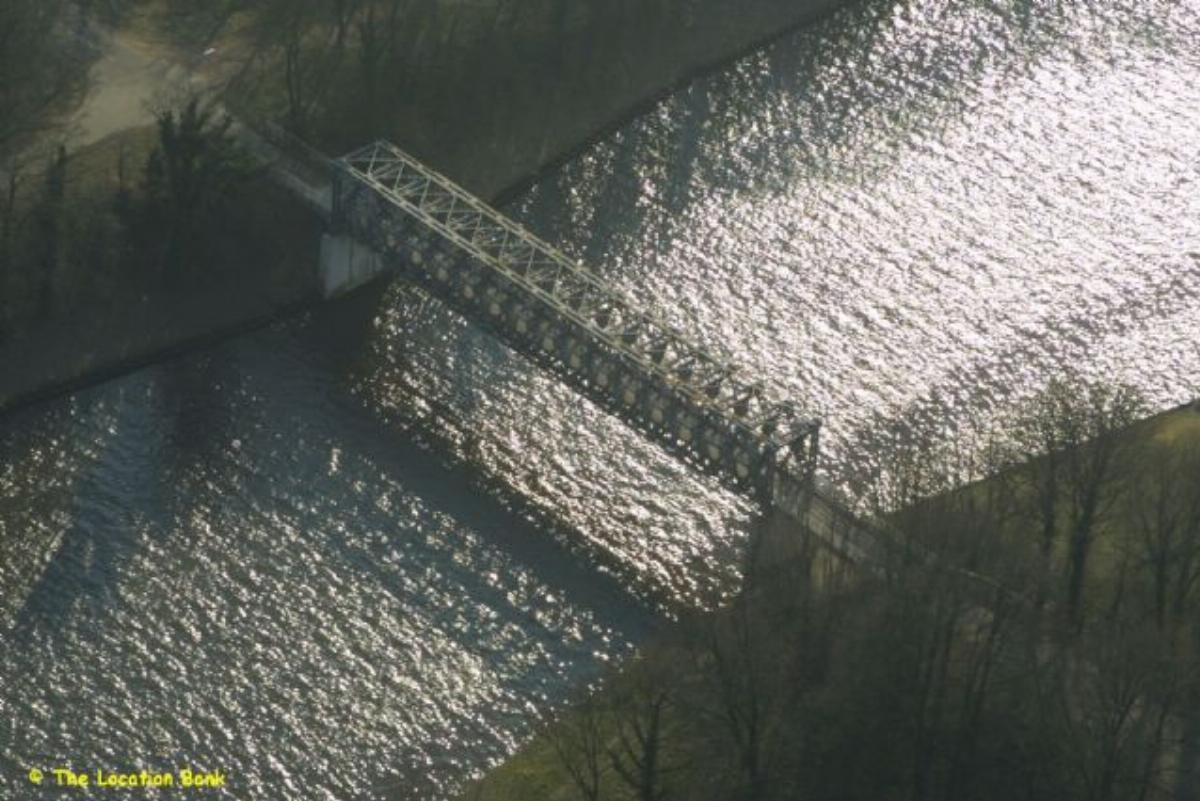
column 251, row 575
column 905, row 216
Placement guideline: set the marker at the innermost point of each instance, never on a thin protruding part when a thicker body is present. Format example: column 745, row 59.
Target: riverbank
column 731, row 689
column 496, row 150
column 574, row 115
column 102, row 324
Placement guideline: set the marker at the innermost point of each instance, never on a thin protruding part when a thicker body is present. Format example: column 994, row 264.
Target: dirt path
column 133, row 77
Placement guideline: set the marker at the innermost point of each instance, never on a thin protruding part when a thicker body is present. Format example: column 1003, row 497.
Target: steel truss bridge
column 569, row 320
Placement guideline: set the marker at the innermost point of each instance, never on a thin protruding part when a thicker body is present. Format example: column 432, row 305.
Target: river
column 275, row 558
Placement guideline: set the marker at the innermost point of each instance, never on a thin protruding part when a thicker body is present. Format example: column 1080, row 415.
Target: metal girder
column 709, row 381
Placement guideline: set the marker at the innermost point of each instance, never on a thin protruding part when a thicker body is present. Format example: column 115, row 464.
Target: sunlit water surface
column 905, row 217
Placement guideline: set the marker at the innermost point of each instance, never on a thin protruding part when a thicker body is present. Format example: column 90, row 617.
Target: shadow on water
column 152, row 436
column 937, row 416
column 451, row 488
column 343, row 328
column 689, row 145
column 223, row 458
column 452, row 491
column 858, row 44
column 96, row 541
column 38, row 472
column 618, row 164
column 159, row 425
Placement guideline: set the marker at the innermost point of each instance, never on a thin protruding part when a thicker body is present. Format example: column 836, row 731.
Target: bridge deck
column 553, row 308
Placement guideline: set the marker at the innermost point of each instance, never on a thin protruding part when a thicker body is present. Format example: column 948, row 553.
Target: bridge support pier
column 779, row 544
column 795, row 541
column 346, row 264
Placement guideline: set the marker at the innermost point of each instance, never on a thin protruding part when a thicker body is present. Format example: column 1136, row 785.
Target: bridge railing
column 301, row 159
column 708, row 380
column 575, row 294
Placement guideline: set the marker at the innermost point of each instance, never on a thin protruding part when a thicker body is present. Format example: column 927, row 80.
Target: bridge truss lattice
column 570, row 319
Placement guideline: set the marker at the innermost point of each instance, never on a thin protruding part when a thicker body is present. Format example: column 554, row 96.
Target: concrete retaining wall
column 346, row 265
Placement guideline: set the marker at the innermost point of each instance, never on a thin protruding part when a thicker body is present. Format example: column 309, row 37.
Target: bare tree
column 41, row 74
column 342, row 13
column 12, row 180
column 303, row 41
column 1187, row 563
column 641, row 713
column 1041, row 433
column 1074, row 429
column 1163, row 507
column 759, row 654
column 1118, row 694
column 578, row 741
column 1096, row 463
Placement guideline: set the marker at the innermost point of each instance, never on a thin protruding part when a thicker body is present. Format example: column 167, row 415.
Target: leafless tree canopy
column 42, row 71
column 1072, row 673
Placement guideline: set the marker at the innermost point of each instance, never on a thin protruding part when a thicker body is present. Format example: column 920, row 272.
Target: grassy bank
column 99, row 311
column 492, row 92
column 486, row 92
column 827, row 683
